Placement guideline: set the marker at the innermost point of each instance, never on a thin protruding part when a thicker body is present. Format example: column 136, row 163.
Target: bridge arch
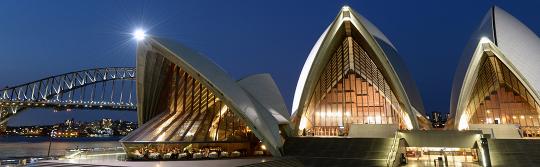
column 111, row 88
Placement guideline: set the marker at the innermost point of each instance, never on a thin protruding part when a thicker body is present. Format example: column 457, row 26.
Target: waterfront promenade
column 114, row 162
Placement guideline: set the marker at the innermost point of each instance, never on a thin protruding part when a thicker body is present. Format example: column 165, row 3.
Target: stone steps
column 283, row 162
column 338, row 151
column 514, row 152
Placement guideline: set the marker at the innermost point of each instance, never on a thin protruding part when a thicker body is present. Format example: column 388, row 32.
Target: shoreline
column 20, row 149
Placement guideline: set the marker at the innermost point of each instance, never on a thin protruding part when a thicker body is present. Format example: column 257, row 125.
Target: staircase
column 514, row 152
column 338, row 151
column 283, row 162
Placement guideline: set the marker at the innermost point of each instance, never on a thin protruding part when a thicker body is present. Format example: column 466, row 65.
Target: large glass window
column 442, row 156
column 500, row 98
column 350, row 90
column 193, row 122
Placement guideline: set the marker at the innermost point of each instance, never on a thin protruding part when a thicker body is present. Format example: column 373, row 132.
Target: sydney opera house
column 185, row 101
column 496, row 85
column 355, row 103
column 353, row 76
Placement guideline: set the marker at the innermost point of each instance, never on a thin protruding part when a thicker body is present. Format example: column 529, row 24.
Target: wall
column 372, row 130
column 498, row 131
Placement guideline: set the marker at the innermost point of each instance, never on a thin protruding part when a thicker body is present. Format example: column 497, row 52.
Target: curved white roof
column 263, row 88
column 258, row 118
column 406, row 88
column 519, row 49
column 396, row 61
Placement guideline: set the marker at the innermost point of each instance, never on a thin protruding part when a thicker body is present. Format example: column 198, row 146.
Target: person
column 146, row 154
column 218, row 151
column 403, row 159
column 174, row 154
column 188, row 153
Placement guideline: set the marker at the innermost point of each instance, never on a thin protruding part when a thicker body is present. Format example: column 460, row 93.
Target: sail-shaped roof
column 386, row 56
column 154, row 58
column 513, row 43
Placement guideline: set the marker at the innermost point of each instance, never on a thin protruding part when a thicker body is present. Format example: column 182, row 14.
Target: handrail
column 393, row 150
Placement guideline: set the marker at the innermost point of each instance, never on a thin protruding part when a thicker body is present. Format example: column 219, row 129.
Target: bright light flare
column 463, row 121
column 139, row 34
column 484, row 40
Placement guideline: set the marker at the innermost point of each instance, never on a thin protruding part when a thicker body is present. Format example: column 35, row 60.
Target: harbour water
column 14, row 147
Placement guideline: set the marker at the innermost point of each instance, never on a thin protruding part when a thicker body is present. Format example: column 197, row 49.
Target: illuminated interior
column 350, row 90
column 192, row 123
column 499, row 97
column 439, row 156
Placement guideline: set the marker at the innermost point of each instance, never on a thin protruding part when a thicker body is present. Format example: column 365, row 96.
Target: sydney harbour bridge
column 110, row 88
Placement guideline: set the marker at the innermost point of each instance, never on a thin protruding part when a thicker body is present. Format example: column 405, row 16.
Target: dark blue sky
column 43, row 38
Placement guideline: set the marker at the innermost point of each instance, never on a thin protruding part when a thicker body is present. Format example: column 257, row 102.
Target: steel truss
column 101, row 88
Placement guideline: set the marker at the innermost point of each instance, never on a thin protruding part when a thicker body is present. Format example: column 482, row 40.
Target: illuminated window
column 350, row 90
column 192, row 119
column 499, row 97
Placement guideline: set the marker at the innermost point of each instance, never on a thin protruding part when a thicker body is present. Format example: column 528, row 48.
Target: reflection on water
column 18, row 146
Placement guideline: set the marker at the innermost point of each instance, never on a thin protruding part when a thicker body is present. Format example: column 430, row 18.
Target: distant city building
column 106, row 123
column 436, row 116
column 3, row 127
column 69, row 122
column 73, row 128
column 437, row 119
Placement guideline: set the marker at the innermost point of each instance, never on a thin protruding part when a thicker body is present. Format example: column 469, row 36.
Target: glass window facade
column 350, row 90
column 193, row 122
column 428, row 156
column 499, row 97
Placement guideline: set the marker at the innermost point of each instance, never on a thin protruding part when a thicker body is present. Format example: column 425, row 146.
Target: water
column 20, row 146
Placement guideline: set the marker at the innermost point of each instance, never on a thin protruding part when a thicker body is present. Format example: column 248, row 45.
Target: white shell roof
column 263, row 88
column 387, row 47
column 261, row 121
column 519, row 45
column 397, row 62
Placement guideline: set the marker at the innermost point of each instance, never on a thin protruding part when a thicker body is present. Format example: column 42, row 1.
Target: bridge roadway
column 111, row 88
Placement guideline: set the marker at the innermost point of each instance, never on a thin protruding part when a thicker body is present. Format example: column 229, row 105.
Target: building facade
column 353, row 84
column 496, row 85
column 189, row 108
column 353, row 76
